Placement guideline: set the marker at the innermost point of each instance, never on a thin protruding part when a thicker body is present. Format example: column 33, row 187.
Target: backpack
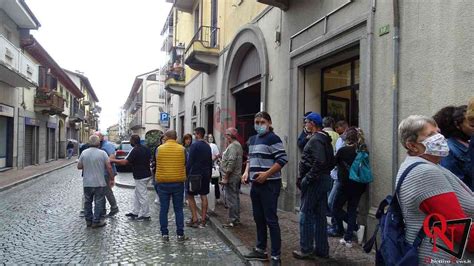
column 394, row 250
column 360, row 170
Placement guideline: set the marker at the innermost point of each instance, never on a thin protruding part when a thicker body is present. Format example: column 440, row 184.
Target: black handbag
column 194, row 183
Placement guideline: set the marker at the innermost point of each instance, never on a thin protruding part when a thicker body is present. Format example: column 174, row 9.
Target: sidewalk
column 11, row 178
column 245, row 235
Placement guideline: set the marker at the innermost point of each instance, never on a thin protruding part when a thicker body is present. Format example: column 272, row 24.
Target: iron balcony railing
column 208, row 36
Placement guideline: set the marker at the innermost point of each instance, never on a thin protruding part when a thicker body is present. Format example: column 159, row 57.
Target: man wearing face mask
column 429, row 188
column 314, row 182
column 139, row 158
column 267, row 157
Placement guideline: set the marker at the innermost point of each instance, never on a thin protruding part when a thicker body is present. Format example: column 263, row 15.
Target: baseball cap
column 315, row 117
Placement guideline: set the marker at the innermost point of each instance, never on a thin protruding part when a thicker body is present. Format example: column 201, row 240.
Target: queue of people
column 329, row 149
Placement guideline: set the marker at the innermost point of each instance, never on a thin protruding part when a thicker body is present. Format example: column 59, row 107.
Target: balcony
column 15, row 68
column 183, row 5
column 175, row 79
column 49, row 102
column 136, row 105
column 202, row 54
column 282, row 4
column 77, row 115
column 136, row 122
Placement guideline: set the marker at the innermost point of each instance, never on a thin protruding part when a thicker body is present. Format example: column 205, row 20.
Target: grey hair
column 328, row 121
column 411, row 126
column 171, row 134
column 94, row 141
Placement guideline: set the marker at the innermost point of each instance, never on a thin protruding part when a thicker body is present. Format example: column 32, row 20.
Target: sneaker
column 275, row 261
column 157, row 201
column 144, row 219
column 182, row 238
column 88, row 223
column 334, row 233
column 113, row 212
column 81, row 213
column 99, row 224
column 325, row 256
column 347, row 243
column 165, row 238
column 302, row 256
column 256, row 255
column 131, row 215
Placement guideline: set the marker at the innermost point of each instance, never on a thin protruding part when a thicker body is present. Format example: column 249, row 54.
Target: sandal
column 193, row 224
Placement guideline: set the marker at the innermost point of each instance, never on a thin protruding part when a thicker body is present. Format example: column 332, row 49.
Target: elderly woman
column 455, row 126
column 429, row 188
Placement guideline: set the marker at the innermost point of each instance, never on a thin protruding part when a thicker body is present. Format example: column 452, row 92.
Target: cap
column 315, row 117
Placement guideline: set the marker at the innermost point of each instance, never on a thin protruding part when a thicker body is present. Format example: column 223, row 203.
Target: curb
column 231, row 240
column 34, row 176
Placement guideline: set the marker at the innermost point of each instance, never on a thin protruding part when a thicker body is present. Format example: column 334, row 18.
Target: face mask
column 211, row 140
column 261, row 129
column 436, row 145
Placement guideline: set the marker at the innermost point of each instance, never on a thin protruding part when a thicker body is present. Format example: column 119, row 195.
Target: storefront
column 51, row 141
column 6, row 136
column 31, row 141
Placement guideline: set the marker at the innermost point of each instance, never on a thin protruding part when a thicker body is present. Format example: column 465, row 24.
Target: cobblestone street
column 40, row 223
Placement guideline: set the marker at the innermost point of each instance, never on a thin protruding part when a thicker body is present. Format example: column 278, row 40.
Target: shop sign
column 6, row 110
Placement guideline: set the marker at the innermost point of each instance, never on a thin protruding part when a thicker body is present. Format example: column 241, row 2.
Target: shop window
column 340, row 91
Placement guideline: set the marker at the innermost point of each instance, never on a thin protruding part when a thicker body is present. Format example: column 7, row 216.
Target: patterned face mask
column 436, row 145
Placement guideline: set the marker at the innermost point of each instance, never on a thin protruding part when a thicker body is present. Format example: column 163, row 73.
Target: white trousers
column 140, row 199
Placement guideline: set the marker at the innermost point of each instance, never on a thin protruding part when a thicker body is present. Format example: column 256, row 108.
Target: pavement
column 40, row 224
column 242, row 238
column 14, row 177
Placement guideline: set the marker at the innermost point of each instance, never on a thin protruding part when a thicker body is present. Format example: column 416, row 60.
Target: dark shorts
column 205, row 182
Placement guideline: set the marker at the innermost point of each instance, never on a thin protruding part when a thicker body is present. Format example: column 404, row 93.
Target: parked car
column 121, row 153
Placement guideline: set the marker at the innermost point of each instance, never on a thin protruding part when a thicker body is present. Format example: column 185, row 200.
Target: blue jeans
column 174, row 191
column 96, row 195
column 264, row 204
column 350, row 193
column 69, row 153
column 313, row 228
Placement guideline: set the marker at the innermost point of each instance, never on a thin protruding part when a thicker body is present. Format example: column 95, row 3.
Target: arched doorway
column 245, row 87
column 245, row 81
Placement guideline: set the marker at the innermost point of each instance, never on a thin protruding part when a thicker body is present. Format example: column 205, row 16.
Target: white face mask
column 436, row 145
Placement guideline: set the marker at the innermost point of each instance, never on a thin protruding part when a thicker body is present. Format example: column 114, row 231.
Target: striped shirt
column 423, row 182
column 264, row 152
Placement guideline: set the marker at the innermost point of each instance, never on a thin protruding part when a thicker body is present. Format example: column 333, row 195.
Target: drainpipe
column 395, row 87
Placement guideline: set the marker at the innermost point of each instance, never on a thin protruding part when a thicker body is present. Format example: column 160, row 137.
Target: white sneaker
column 348, row 243
column 157, row 201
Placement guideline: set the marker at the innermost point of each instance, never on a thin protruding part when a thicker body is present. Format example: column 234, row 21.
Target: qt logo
column 441, row 233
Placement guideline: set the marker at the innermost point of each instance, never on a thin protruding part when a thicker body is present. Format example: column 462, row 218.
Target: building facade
column 40, row 105
column 366, row 62
column 141, row 111
column 113, row 133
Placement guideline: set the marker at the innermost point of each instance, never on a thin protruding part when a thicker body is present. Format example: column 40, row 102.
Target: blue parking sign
column 164, row 117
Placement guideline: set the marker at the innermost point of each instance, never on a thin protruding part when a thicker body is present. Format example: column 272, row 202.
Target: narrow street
column 40, row 223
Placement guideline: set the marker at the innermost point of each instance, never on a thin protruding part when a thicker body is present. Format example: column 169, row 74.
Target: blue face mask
column 261, row 129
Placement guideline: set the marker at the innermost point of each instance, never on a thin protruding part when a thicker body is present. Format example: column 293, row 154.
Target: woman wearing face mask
column 455, row 127
column 267, row 157
column 429, row 188
column 215, row 164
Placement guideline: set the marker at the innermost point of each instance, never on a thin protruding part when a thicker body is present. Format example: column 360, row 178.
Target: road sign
column 164, row 117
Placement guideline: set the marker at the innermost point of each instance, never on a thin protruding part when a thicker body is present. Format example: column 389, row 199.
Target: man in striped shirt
column 267, row 157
